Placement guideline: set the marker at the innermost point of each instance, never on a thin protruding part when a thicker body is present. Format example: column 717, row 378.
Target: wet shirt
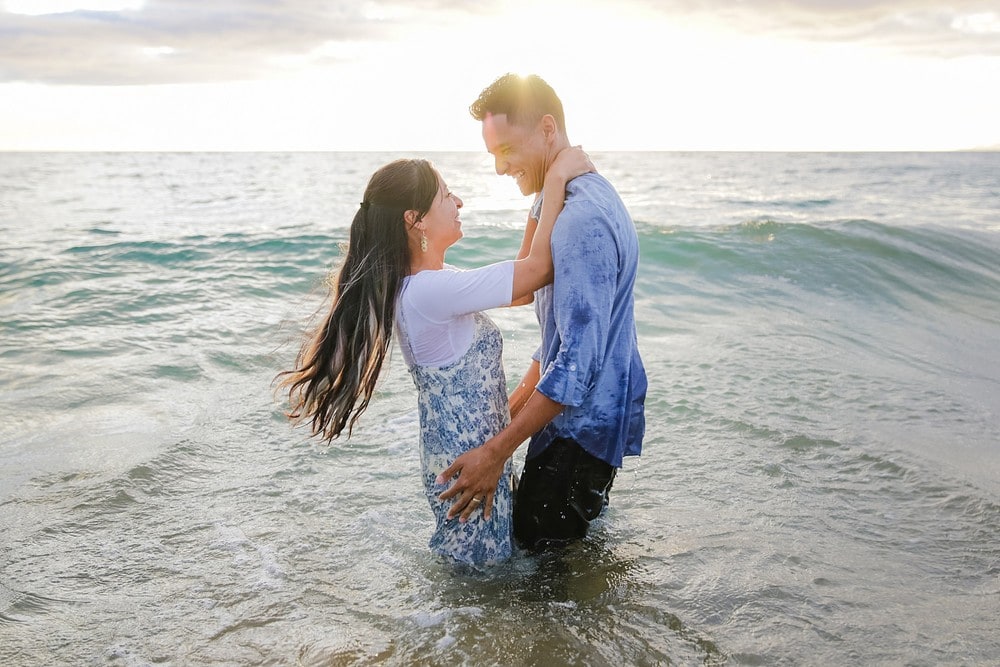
column 589, row 359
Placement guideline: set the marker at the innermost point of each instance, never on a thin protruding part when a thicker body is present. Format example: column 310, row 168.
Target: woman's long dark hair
column 338, row 366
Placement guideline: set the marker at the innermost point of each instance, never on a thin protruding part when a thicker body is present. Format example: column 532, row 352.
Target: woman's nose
column 458, row 201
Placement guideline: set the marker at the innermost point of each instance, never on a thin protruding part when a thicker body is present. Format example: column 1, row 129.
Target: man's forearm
column 537, row 411
column 519, row 397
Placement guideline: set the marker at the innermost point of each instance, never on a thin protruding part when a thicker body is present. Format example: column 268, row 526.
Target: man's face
column 519, row 152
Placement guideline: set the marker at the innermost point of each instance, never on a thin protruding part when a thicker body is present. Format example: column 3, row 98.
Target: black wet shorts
column 560, row 492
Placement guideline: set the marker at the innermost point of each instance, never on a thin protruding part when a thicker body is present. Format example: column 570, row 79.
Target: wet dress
column 463, row 401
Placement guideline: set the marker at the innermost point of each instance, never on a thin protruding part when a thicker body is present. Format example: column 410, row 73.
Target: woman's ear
column 410, row 217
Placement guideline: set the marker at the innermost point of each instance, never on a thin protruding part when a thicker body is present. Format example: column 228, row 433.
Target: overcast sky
column 633, row 74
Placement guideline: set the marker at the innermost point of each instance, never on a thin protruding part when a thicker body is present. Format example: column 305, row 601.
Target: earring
column 423, row 242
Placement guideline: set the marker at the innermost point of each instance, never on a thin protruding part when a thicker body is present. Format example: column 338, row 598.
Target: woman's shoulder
column 430, row 277
column 450, row 273
column 431, row 274
column 456, row 291
column 428, row 280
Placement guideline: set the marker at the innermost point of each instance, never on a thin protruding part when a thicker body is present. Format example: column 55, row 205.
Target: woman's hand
column 536, row 269
column 570, row 163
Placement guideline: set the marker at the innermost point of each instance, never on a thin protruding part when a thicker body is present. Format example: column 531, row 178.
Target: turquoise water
column 820, row 481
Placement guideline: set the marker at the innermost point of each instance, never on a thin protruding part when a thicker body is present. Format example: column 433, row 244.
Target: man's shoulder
column 593, row 193
column 590, row 184
column 592, row 187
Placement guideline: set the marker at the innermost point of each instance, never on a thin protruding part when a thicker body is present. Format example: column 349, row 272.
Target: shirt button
column 572, row 367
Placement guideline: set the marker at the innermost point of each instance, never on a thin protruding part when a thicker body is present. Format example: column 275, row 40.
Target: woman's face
column 442, row 225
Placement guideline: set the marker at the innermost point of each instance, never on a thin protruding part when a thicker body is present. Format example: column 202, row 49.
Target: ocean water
column 820, row 482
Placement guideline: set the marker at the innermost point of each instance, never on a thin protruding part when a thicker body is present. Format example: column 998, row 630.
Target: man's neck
column 558, row 145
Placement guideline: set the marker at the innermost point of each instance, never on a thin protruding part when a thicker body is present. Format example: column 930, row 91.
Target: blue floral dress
column 462, row 405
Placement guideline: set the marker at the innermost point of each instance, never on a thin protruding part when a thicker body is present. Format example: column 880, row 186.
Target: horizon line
column 979, row 149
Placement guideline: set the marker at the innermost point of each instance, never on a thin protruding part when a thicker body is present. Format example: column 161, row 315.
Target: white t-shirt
column 434, row 316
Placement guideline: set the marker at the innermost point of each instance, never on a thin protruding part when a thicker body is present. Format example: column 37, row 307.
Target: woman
column 394, row 276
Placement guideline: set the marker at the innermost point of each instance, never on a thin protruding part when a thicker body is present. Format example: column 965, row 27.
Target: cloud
column 192, row 41
column 175, row 41
column 921, row 27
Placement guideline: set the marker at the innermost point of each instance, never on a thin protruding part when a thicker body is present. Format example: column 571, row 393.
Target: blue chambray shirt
column 589, row 358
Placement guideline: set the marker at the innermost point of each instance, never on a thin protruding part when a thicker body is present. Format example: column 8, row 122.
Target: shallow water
column 820, row 481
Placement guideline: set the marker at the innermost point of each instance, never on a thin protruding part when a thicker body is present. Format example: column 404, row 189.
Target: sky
column 399, row 75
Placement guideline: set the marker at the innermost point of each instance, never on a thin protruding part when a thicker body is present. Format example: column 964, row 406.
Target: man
column 581, row 401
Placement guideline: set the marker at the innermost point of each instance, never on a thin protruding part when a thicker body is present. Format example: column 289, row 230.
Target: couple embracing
column 581, row 399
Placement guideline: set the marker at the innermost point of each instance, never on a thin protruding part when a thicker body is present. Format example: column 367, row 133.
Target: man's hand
column 480, row 472
column 479, row 469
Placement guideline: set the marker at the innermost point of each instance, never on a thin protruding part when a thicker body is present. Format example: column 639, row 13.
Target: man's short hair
column 524, row 100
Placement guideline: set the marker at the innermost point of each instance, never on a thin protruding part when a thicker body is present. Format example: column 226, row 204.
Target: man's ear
column 549, row 127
